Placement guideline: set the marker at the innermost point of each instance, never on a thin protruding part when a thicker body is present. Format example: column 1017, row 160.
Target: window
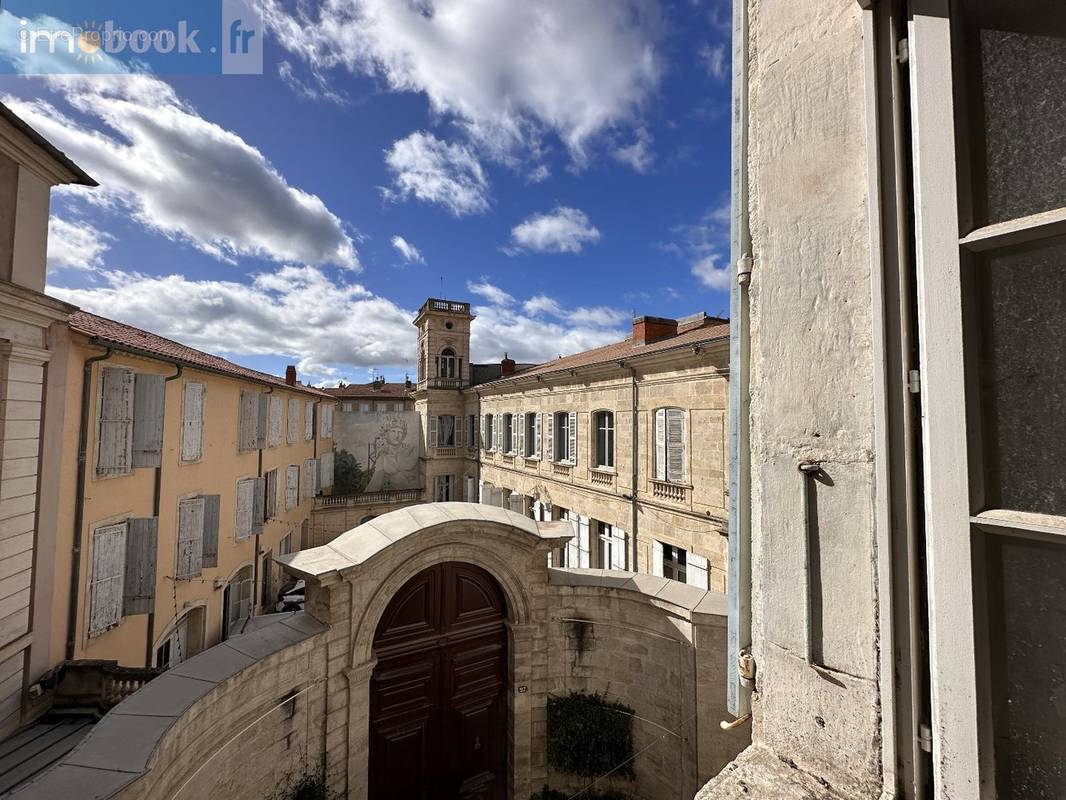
column 508, row 434
column 271, row 499
column 293, row 433
column 185, row 639
column 397, row 407
column 565, row 437
column 447, row 364
column 531, row 423
column 670, row 457
column 346, row 407
column 471, row 431
column 445, row 431
column 364, row 408
column 274, row 435
column 325, row 471
column 674, row 563
column 237, row 602
column 114, row 448
column 612, row 546
column 310, row 477
column 605, row 439
column 487, row 441
column 577, row 552
column 190, row 537
column 253, row 421
column 251, row 507
column 292, row 487
column 381, row 407
column 266, row 592
column 325, row 424
column 309, row 420
column 106, row 583
column 678, row 564
column 192, row 422
column 285, row 545
column 443, row 493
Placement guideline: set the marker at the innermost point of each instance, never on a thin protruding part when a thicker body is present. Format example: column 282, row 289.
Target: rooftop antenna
column 442, row 297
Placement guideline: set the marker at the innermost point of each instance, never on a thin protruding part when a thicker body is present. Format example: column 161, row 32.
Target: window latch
column 914, row 381
column 925, row 737
column 903, row 51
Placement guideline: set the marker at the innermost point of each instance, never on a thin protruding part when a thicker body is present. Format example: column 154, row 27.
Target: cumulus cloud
column 569, row 67
column 493, row 294
column 704, row 244
column 182, row 176
column 562, row 230
column 639, row 154
column 711, row 273
column 410, row 253
column 436, row 171
column 76, row 244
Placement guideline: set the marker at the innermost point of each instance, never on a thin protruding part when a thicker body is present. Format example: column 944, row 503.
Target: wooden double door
column 438, row 696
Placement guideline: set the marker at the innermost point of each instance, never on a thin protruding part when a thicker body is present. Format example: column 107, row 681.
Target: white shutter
column 292, row 487
column 249, row 431
column 537, row 434
column 660, row 444
column 309, row 420
column 657, row 559
column 274, row 434
column 675, row 445
column 293, row 428
column 471, row 490
column 572, row 454
column 584, row 545
column 573, row 549
column 549, row 436
column 325, row 470
column 696, row 571
column 190, row 537
column 310, row 477
column 497, row 430
column 114, row 446
column 521, row 433
column 618, row 548
column 108, row 577
column 460, row 430
column 245, row 508
column 325, row 423
column 149, row 394
column 434, row 426
column 192, row 422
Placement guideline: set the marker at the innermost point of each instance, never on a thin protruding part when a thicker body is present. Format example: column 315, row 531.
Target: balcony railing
column 441, row 383
column 602, row 477
column 370, row 498
column 452, row 306
column 86, row 684
column 669, row 491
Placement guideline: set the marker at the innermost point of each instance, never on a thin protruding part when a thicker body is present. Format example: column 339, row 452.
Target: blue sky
column 560, row 166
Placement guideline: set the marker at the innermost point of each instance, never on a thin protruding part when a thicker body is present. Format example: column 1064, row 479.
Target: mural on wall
column 385, row 446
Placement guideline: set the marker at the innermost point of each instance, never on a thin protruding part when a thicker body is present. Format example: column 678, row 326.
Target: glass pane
column 1015, row 79
column 1021, row 324
column 1027, row 643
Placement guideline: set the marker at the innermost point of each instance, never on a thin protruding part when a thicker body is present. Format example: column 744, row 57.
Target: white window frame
column 598, row 417
column 561, row 424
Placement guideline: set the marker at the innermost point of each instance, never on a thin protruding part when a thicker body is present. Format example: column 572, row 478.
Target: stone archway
column 438, row 694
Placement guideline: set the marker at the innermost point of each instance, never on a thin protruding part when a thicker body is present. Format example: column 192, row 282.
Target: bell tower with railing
column 443, row 344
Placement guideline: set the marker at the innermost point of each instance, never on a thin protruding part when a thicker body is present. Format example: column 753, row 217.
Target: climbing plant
column 590, row 736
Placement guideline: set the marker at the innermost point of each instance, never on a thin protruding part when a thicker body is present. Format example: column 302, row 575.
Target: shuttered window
column 670, row 450
column 326, row 422
column 274, row 435
column 245, row 508
column 259, row 505
column 148, row 397
column 565, row 425
column 190, row 537
column 488, row 441
column 604, row 439
column 292, row 487
column 138, row 592
column 271, row 488
column 249, row 424
column 293, row 428
column 212, row 503
column 108, row 576
column 114, row 448
column 696, row 573
column 192, row 422
column 612, row 547
column 310, row 481
column 309, row 420
column 325, row 471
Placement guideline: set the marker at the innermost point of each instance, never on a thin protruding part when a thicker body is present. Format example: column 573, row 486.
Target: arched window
column 237, row 602
column 447, row 364
column 185, row 639
column 604, row 439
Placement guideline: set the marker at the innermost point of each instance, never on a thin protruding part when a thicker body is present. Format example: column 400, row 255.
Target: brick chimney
column 507, row 366
column 647, row 330
column 290, row 375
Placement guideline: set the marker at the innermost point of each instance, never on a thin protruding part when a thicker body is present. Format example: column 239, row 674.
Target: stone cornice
column 33, row 308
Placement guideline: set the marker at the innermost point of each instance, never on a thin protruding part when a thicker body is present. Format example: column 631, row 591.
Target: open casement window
column 192, row 422
column 578, row 551
column 237, row 602
column 612, row 546
column 114, row 446
column 669, row 561
column 670, row 456
column 443, row 493
column 292, row 487
column 325, row 471
column 310, row 477
column 604, row 439
column 185, row 640
column 988, row 93
column 309, row 420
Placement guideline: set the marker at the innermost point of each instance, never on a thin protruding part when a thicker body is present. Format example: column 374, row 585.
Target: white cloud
column 594, row 317
column 711, row 274
column 435, row 171
column 705, row 245
column 183, row 176
column 510, row 329
column 715, row 60
column 494, row 294
column 542, row 304
column 639, row 154
column 410, row 253
column 509, row 72
column 563, row 230
column 77, row 245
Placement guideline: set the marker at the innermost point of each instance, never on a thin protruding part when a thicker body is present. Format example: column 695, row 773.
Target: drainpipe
column 79, row 500
column 259, row 474
column 150, row 640
column 740, row 664
column 634, row 452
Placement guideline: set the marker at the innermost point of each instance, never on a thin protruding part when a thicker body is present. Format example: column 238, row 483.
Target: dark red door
column 438, row 702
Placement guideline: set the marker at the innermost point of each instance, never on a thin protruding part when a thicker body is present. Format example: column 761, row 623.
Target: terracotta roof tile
column 110, row 331
column 371, row 390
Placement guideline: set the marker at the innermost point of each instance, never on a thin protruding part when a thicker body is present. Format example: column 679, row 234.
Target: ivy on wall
column 590, row 736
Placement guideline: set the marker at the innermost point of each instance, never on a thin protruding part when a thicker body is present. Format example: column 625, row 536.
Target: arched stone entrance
column 438, row 694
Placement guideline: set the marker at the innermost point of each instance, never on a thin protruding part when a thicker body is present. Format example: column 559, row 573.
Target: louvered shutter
column 434, row 426
column 460, row 431
column 675, row 445
column 262, row 421
column 245, row 508
column 114, row 447
column 310, row 488
column 309, row 420
column 325, row 423
column 270, row 507
column 192, row 422
column 293, row 428
column 474, row 432
column 657, row 559
column 549, row 435
column 696, row 571
column 259, row 505
column 148, row 395
column 209, row 540
column 274, row 436
column 521, row 434
column 572, row 455
column 138, row 591
column 660, row 444
column 537, row 434
column 190, row 537
column 249, row 420
column 325, row 471
column 108, row 575
column 292, row 487
column 618, row 548
column 497, row 432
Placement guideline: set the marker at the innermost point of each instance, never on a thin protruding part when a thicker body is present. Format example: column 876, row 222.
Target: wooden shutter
column 584, row 544
column 245, row 508
column 537, row 425
column 573, row 549
column 190, row 537
column 460, row 430
column 309, row 420
column 138, row 592
column 675, row 445
column 249, row 420
column 549, row 435
column 325, row 470
column 657, row 559
column 270, row 508
column 660, row 444
column 192, row 422
column 572, row 455
column 274, row 432
column 293, row 428
column 259, row 505
column 485, row 443
column 618, row 548
column 292, row 487
column 521, row 434
column 209, row 539
column 434, row 427
column 696, row 571
column 262, row 421
column 114, row 446
column 327, row 420
column 108, row 575
column 310, row 488
column 148, row 396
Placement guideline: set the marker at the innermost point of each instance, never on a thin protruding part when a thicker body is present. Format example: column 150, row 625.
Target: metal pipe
column 739, row 576
column 631, row 562
column 79, row 500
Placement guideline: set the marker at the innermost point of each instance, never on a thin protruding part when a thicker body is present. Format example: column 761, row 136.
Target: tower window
column 448, row 366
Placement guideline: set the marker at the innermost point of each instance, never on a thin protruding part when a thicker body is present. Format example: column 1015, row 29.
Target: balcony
column 561, row 470
column 369, row 498
column 448, row 306
column 441, row 383
column 674, row 492
column 602, row 477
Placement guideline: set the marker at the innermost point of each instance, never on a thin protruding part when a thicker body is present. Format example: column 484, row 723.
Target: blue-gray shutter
column 271, row 502
column 142, row 538
column 259, row 505
column 210, row 538
column 148, row 396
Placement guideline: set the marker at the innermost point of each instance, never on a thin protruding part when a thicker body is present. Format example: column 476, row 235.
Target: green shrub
column 590, row 736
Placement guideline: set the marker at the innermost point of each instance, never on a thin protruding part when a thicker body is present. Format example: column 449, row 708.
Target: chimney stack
column 647, row 330
column 507, row 366
column 290, row 375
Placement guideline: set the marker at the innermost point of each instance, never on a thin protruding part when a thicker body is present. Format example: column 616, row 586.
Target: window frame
column 599, row 418
column 561, row 437
column 447, row 363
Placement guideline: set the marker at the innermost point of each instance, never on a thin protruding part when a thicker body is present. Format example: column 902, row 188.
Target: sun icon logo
column 89, row 41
